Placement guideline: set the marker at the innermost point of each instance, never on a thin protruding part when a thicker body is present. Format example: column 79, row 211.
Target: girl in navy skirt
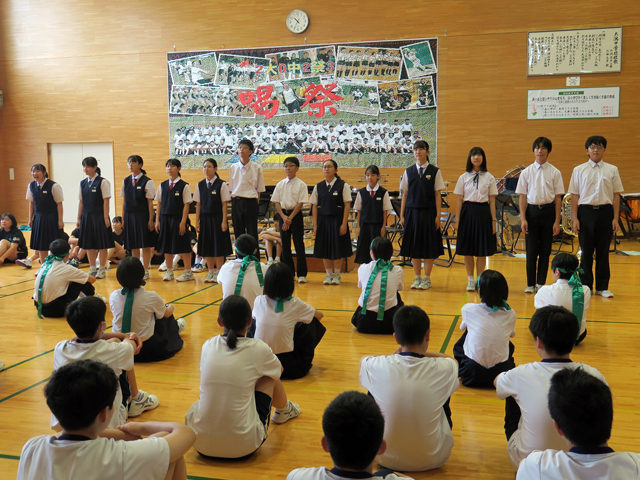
column 476, row 215
column 211, row 196
column 173, row 197
column 331, row 201
column 373, row 206
column 420, row 214
column 45, row 212
column 138, row 191
column 93, row 217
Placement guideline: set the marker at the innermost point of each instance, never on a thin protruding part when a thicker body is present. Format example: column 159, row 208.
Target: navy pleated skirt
column 421, row 239
column 170, row 240
column 368, row 231
column 213, row 242
column 136, row 230
column 94, row 234
column 475, row 231
column 44, row 231
column 329, row 243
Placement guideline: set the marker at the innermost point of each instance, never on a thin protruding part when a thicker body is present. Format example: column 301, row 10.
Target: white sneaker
column 211, row 277
column 604, row 293
column 168, row 276
column 107, row 265
column 291, row 411
column 146, row 275
column 425, row 284
column 302, row 279
column 182, row 324
column 162, row 267
column 336, row 280
column 538, row 287
column 142, row 403
column 327, row 279
column 530, row 289
column 186, row 276
column 416, row 283
column 471, row 286
column 104, row 299
column 269, row 263
column 101, row 273
column 26, row 262
column 93, row 272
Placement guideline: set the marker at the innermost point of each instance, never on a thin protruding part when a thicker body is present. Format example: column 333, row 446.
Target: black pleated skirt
column 136, row 230
column 45, row 230
column 163, row 344
column 421, row 239
column 475, row 231
column 170, row 241
column 213, row 242
column 94, row 234
column 368, row 231
column 329, row 243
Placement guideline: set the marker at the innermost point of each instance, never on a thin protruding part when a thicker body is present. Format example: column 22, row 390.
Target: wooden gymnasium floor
column 480, row 447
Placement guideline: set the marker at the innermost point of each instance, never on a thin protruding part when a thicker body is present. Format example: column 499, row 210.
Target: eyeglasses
column 596, row 147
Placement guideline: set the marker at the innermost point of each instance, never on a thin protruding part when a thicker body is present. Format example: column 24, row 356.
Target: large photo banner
column 358, row 103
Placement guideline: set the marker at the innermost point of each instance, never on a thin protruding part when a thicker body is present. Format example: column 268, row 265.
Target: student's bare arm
column 179, row 437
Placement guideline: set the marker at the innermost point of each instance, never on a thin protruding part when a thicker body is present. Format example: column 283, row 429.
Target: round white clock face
column 298, row 21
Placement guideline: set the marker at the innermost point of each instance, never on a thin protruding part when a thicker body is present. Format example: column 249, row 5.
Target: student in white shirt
column 527, row 424
column 568, row 291
column 375, row 311
column 595, row 190
column 585, row 426
column 239, row 381
column 353, row 428
column 288, row 325
column 484, row 350
column 81, row 395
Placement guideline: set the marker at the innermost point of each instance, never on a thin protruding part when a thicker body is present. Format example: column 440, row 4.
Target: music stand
column 505, row 201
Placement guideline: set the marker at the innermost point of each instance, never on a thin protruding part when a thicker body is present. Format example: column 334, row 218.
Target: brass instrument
column 567, row 217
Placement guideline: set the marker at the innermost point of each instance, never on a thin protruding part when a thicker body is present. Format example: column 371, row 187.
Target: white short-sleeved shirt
column 439, row 183
column 149, row 188
column 411, row 391
column 56, row 282
column 47, row 457
column 555, row 464
column 540, row 183
column 118, row 356
column 224, row 191
column 529, row 384
column 246, row 181
column 186, row 193
column 595, row 183
column 105, row 188
column 56, row 191
column 395, row 283
column 386, row 201
column 276, row 329
column 228, row 276
column 466, row 189
column 225, row 418
column 488, row 333
column 561, row 293
column 346, row 192
column 323, row 473
column 147, row 306
column 289, row 193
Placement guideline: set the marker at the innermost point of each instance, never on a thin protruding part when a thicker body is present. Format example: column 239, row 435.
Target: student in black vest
column 173, row 197
column 331, row 201
column 420, row 214
column 211, row 197
column 45, row 213
column 93, row 217
column 373, row 206
column 138, row 191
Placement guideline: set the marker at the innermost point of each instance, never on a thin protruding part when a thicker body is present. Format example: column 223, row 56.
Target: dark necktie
column 170, row 186
column 135, row 180
column 372, row 193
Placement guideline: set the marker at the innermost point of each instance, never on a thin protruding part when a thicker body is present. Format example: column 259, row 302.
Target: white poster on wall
column 571, row 103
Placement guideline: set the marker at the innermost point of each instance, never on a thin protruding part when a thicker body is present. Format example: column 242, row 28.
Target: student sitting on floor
column 484, row 350
column 527, row 423
column 144, row 312
column 413, row 387
column 86, row 317
column 243, row 276
column 288, row 325
column 58, row 284
column 353, row 426
column 373, row 278
column 81, row 395
column 239, row 381
column 586, row 428
column 568, row 291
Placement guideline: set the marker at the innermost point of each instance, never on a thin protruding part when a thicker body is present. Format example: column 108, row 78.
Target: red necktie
column 135, row 180
column 372, row 193
column 170, row 186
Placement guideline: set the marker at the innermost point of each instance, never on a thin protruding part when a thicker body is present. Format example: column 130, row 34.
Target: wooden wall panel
column 96, row 71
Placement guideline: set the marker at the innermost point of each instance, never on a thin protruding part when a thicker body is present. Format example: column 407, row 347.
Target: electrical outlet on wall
column 11, row 175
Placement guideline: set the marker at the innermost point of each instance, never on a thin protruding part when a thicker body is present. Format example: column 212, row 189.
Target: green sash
column 577, row 294
column 46, row 266
column 384, row 267
column 246, row 261
column 505, row 305
column 280, row 303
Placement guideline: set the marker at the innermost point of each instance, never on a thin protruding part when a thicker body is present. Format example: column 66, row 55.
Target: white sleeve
column 125, row 355
column 157, row 304
column 439, row 183
column 459, row 190
column 386, row 202
column 507, row 384
column 523, row 182
column 29, row 196
column 303, row 194
column 314, row 196
column 365, row 374
column 529, row 468
column 122, row 188
column 105, row 188
column 357, row 205
column 56, row 191
column 346, row 192
column 186, row 194
column 304, row 311
column 271, row 366
column 150, row 189
column 225, row 196
column 196, row 194
column 493, row 187
column 158, row 197
column 558, row 184
column 574, row 184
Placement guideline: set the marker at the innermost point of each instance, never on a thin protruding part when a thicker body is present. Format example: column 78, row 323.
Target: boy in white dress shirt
column 586, row 428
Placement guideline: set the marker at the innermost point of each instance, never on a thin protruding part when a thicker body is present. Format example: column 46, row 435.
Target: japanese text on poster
column 568, row 103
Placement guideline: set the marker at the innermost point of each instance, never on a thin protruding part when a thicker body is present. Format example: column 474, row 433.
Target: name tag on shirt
column 177, row 194
column 44, row 191
column 378, row 198
column 428, row 177
column 94, row 191
column 335, row 193
column 139, row 187
column 214, row 192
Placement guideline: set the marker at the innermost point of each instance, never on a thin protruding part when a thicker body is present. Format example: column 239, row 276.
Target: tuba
column 567, row 217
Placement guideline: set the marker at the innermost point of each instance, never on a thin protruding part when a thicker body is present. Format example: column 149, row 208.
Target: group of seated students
column 557, row 407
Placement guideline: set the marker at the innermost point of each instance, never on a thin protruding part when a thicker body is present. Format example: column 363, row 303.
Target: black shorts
column 263, row 407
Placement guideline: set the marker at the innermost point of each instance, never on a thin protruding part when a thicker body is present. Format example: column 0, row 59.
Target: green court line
column 23, row 390
column 15, row 293
column 10, row 457
column 192, row 477
column 17, row 283
column 448, row 337
column 28, row 360
column 190, row 303
column 193, row 293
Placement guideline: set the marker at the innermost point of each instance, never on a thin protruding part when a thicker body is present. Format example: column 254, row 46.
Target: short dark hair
column 130, row 272
column 596, row 140
column 59, row 247
column 246, row 245
column 212, row 161
column 382, row 248
column 494, row 289
column 235, row 315
column 373, row 169
column 116, row 219
column 77, row 392
column 556, row 327
column 14, row 222
column 476, row 151
column 247, row 142
column 421, row 144
column 582, row 406
column 293, row 160
column 40, row 168
column 354, row 427
column 568, row 262
column 90, row 162
column 278, row 281
column 84, row 316
column 542, row 142
column 410, row 324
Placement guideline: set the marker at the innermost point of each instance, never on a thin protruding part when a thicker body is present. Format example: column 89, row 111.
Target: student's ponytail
column 232, row 339
column 235, row 316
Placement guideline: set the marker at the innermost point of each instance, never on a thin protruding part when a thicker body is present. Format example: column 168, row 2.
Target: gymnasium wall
column 96, row 72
